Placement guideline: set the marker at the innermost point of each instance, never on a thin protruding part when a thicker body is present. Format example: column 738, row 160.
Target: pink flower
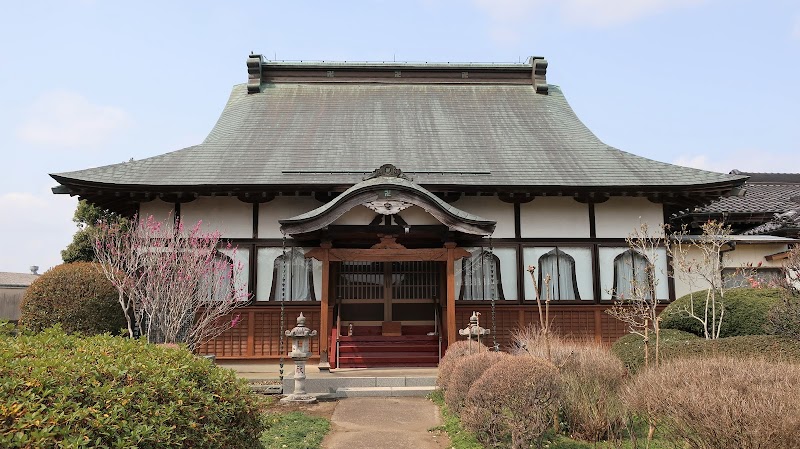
column 236, row 320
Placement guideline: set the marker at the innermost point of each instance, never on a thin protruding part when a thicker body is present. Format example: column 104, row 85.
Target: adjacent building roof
column 769, row 205
column 324, row 126
column 19, row 280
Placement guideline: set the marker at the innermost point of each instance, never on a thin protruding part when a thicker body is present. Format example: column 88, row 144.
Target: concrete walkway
column 385, row 423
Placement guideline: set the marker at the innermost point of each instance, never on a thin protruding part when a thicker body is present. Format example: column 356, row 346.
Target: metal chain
column 283, row 306
column 494, row 294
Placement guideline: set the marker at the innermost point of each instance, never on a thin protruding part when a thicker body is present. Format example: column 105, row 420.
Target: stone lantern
column 474, row 331
column 301, row 350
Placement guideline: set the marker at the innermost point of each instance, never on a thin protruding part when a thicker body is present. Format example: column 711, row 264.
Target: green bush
column 77, row 296
column 678, row 344
column 746, row 312
column 64, row 390
column 630, row 348
column 784, row 318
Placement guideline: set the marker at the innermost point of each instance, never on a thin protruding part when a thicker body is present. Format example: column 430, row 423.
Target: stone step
column 360, row 392
column 332, row 384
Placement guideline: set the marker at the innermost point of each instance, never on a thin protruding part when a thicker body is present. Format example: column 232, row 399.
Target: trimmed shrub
column 769, row 348
column 453, row 354
column 515, row 398
column 465, row 372
column 77, row 296
column 630, row 348
column 746, row 312
column 591, row 378
column 721, row 402
column 784, row 318
column 63, row 390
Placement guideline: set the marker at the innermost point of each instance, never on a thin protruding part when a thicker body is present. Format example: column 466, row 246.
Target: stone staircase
column 387, row 351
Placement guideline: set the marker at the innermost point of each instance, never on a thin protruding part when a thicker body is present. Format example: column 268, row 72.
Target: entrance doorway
column 369, row 294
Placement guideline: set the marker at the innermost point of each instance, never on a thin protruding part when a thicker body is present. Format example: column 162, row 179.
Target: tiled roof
column 440, row 134
column 758, row 198
column 787, row 221
column 17, row 279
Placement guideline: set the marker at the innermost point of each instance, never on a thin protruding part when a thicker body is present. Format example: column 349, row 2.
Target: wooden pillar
column 324, row 322
column 451, row 293
column 251, row 333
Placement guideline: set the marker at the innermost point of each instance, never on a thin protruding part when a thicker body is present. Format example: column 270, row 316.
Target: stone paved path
column 385, row 423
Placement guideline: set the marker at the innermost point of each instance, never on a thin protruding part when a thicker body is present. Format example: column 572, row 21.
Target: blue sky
column 712, row 84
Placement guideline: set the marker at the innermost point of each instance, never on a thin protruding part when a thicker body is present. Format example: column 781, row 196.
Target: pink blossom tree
column 174, row 283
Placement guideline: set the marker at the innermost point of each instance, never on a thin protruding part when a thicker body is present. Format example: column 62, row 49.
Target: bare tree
column 639, row 307
column 699, row 262
column 174, row 283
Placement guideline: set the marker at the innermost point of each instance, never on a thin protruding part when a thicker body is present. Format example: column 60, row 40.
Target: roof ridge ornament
column 253, row 74
column 539, row 75
column 388, row 171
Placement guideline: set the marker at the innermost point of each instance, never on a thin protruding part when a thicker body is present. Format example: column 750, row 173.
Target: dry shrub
column 465, row 372
column 712, row 403
column 454, row 353
column 592, row 379
column 591, row 376
column 515, row 397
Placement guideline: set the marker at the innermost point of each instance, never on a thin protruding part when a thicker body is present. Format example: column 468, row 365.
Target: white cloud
column 506, row 16
column 37, row 227
column 700, row 162
column 62, row 118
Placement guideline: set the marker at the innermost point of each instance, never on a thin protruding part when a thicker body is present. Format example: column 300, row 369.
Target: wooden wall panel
column 257, row 334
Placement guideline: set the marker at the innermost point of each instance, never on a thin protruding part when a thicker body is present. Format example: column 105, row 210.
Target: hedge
column 679, row 344
column 75, row 295
column 746, row 312
column 63, row 390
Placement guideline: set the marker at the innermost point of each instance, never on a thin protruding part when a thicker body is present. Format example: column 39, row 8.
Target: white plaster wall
column 281, row 207
column 265, row 263
column 554, row 217
column 416, row 215
column 583, row 268
column 228, row 215
column 508, row 270
column 359, row 215
column 606, row 258
column 490, row 208
column 160, row 210
column 744, row 254
column 620, row 216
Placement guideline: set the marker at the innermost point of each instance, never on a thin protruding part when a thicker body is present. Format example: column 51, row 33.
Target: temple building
column 390, row 201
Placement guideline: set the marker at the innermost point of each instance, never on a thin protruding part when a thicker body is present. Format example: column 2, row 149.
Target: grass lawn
column 289, row 427
column 461, row 438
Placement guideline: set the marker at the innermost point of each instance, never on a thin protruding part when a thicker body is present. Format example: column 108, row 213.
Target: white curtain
column 480, row 274
column 560, row 266
column 631, row 277
column 299, row 281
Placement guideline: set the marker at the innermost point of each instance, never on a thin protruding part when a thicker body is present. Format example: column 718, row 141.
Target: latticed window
column 560, row 267
column 293, row 277
column 480, row 277
column 632, row 276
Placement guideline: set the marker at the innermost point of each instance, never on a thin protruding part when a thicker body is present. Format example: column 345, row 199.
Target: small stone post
column 474, row 331
column 301, row 344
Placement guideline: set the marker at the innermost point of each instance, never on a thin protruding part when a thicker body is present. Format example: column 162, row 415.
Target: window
column 751, row 277
column 480, row 277
column 632, row 276
column 563, row 284
column 292, row 277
